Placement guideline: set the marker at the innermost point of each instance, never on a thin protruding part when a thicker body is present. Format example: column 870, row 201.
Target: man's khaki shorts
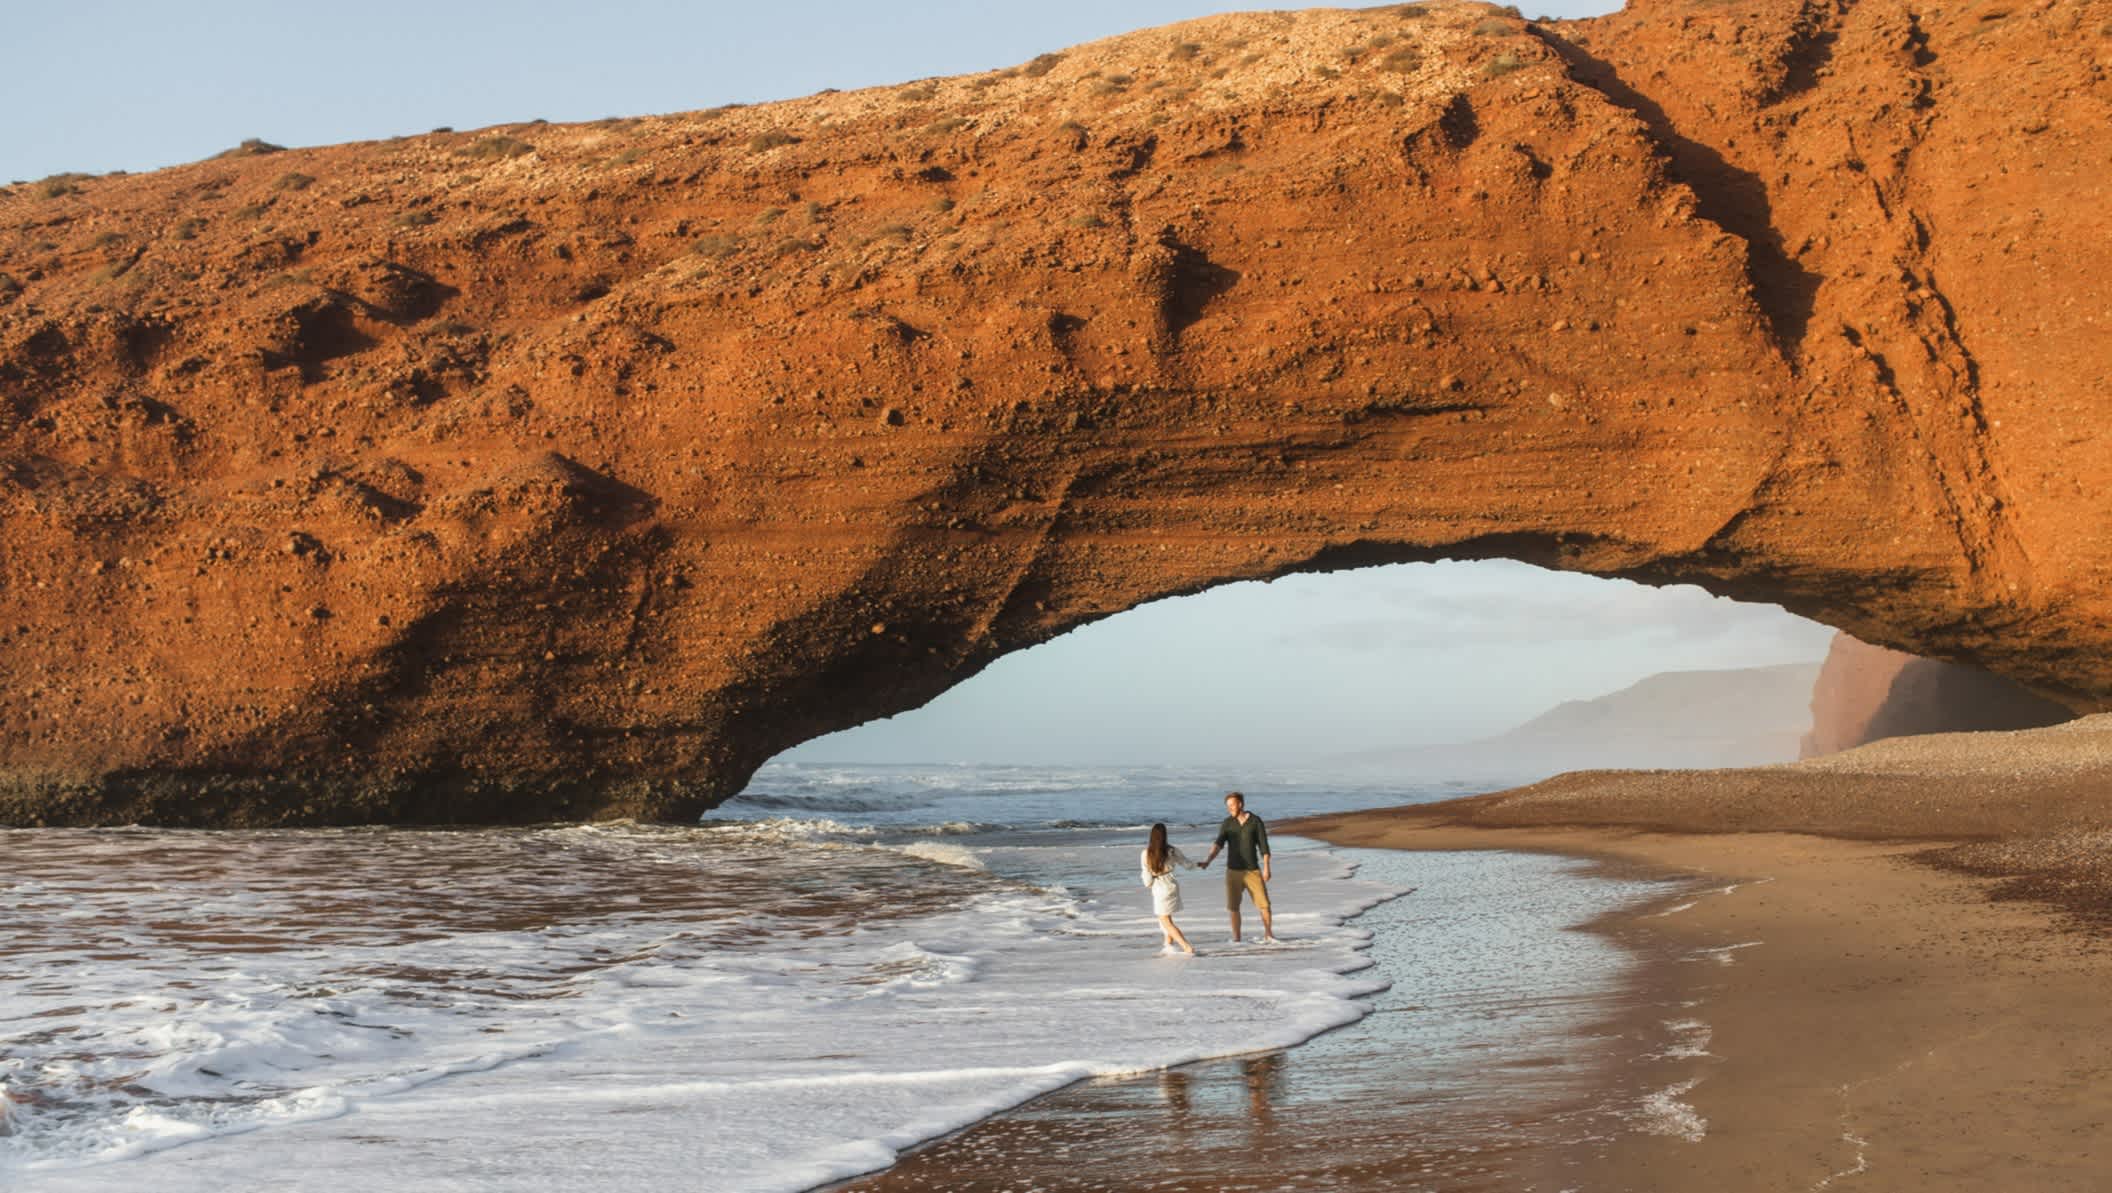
column 1249, row 882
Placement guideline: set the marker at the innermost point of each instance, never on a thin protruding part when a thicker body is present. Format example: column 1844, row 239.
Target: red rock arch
column 577, row 479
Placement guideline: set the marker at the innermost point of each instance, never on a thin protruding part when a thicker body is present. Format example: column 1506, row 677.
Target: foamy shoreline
column 1870, row 1009
column 1489, row 978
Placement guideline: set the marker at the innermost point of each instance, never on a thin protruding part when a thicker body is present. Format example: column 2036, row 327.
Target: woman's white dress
column 1165, row 892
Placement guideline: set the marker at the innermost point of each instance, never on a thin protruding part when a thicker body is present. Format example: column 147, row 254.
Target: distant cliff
column 1691, row 719
column 1866, row 693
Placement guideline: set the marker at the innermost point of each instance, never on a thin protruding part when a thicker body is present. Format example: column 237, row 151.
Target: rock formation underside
column 573, row 471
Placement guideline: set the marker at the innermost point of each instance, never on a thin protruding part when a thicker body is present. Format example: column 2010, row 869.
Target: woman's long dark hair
column 1157, row 857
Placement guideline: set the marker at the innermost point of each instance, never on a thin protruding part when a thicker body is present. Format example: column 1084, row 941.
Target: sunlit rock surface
column 572, row 471
column 1866, row 693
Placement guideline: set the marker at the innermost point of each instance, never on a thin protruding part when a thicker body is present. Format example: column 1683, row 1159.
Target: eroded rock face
column 1866, row 693
column 574, row 471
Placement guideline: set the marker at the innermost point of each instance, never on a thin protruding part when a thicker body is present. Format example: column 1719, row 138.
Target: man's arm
column 1215, row 846
column 1261, row 844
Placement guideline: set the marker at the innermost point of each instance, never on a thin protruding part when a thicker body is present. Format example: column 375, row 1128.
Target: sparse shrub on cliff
column 60, row 185
column 293, row 181
column 919, row 94
column 1040, row 65
column 771, row 139
column 768, row 216
column 899, row 233
column 1091, row 219
column 949, row 124
column 106, row 240
column 1327, row 72
column 253, row 147
column 496, row 147
column 1412, row 12
column 1501, row 64
column 716, row 246
column 942, row 206
column 249, row 211
column 1402, row 60
column 417, row 217
column 1186, row 51
column 9, row 288
column 794, row 244
column 1494, row 28
column 187, row 229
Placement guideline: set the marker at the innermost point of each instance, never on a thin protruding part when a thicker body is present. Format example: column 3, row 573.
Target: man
column 1247, row 863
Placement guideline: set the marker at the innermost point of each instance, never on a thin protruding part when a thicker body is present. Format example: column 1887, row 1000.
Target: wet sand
column 1875, row 1023
column 1465, row 1075
column 1909, row 991
column 1914, row 983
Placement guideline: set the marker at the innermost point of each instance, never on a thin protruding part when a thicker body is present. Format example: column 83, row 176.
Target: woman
column 1159, row 862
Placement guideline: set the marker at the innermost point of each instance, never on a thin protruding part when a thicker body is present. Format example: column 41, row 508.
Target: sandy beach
column 1875, row 1022
column 1906, row 993
column 1904, row 972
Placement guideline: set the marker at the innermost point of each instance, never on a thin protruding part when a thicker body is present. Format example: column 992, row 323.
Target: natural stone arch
column 578, row 479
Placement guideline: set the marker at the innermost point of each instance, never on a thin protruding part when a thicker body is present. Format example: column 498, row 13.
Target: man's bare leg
column 1235, row 925
column 1268, row 925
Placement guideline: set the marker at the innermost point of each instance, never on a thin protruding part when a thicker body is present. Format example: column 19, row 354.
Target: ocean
column 839, row 965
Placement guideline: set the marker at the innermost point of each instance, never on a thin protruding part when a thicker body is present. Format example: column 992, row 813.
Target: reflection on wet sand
column 1495, row 1080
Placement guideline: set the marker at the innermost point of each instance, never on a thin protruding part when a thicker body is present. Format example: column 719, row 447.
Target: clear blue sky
column 1309, row 665
column 99, row 85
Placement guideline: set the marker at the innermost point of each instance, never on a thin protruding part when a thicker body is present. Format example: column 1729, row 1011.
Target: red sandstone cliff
column 573, row 471
column 1866, row 693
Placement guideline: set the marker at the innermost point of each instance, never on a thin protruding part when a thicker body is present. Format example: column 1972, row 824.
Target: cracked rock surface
column 573, row 471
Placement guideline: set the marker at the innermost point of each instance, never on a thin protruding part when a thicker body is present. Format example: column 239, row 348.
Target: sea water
column 840, row 964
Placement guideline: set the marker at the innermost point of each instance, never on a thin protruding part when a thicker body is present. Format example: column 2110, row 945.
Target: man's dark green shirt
column 1245, row 844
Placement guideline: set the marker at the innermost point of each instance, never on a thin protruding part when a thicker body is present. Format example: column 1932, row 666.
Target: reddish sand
column 1914, row 1010
column 1880, row 1024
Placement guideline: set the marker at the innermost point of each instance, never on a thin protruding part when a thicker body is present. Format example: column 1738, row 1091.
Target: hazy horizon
column 1314, row 668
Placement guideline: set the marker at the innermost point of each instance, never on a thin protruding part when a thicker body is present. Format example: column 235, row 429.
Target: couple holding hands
column 1246, row 841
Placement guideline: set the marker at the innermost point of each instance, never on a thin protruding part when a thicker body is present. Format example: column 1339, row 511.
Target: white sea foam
column 1690, row 1038
column 1723, row 955
column 945, row 854
column 1662, row 1113
column 770, row 1005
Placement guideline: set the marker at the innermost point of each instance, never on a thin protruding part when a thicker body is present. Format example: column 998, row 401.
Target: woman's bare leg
column 1173, row 934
